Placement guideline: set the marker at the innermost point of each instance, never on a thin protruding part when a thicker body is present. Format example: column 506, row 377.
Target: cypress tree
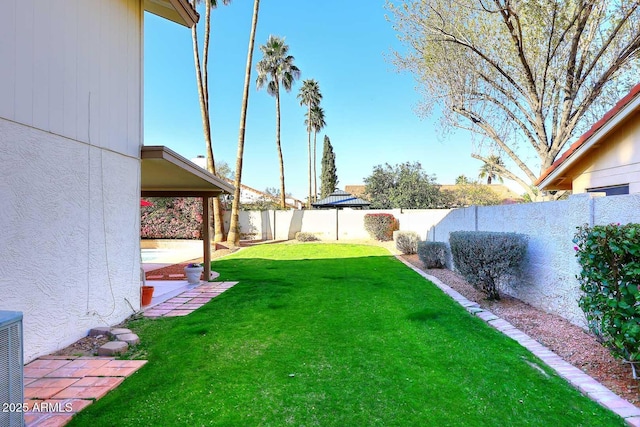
column 328, row 176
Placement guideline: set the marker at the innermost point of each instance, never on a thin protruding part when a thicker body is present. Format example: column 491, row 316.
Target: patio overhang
column 178, row 11
column 165, row 173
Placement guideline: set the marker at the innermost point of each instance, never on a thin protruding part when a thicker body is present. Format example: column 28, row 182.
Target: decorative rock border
column 577, row 378
column 123, row 338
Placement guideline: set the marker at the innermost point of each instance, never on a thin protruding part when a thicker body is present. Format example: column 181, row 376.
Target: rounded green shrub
column 306, row 237
column 433, row 254
column 406, row 241
column 485, row 257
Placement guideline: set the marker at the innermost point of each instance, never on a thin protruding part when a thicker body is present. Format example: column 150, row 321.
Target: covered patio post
column 206, row 237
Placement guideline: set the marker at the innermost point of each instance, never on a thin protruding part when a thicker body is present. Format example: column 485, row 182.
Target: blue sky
column 369, row 107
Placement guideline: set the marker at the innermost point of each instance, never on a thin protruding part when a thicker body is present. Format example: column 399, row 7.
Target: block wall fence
column 549, row 277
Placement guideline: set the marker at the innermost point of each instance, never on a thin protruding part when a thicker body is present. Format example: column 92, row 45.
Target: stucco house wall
column 607, row 155
column 614, row 163
column 70, row 137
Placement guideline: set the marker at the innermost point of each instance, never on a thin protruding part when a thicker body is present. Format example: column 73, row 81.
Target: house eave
column 165, row 173
column 178, row 11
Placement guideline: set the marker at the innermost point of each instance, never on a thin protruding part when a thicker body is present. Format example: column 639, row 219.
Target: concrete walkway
column 577, row 378
column 189, row 301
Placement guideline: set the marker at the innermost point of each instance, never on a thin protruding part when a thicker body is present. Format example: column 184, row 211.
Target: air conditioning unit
column 11, row 369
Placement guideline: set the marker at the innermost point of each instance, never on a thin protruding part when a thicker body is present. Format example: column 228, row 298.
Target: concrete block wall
column 549, row 277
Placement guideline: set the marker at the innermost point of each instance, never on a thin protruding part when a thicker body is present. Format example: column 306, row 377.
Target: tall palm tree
column 492, row 169
column 202, row 81
column 276, row 69
column 316, row 122
column 310, row 97
column 234, row 229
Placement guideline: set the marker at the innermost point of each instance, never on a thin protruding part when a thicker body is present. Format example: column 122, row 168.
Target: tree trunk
column 234, row 227
column 280, row 158
column 315, row 174
column 203, row 97
column 309, row 154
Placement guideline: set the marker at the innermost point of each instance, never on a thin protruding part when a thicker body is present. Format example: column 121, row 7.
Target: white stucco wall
column 70, row 248
column 322, row 222
column 70, row 137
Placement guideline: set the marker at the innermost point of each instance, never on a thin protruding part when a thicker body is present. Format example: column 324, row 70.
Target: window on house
column 614, row 190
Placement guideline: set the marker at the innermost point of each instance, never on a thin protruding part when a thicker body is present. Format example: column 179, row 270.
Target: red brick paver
column 57, row 387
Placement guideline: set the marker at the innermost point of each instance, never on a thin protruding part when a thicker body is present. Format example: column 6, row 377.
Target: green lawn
column 334, row 335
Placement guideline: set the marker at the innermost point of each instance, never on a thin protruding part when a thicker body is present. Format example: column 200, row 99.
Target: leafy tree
column 275, row 69
column 491, row 169
column 202, row 81
column 471, row 193
column 531, row 72
column 328, row 174
column 310, row 97
column 223, row 170
column 316, row 119
column 234, row 227
column 402, row 186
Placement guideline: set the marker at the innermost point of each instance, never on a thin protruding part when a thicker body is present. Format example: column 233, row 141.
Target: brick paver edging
column 576, row 377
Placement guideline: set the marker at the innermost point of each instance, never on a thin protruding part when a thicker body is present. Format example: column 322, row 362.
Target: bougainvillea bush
column 610, row 259
column 172, row 218
column 380, row 226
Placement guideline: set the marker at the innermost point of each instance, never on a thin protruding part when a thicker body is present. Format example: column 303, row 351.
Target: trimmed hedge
column 485, row 257
column 380, row 226
column 406, row 241
column 433, row 254
column 610, row 259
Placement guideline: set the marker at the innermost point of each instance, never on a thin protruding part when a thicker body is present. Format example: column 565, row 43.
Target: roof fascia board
column 178, row 11
column 185, row 11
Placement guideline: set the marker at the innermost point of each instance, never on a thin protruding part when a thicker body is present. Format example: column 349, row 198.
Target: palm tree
column 276, row 69
column 492, row 169
column 316, row 123
column 310, row 96
column 202, row 80
column 234, row 228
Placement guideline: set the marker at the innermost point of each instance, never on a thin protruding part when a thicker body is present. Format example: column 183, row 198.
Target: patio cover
column 165, row 173
column 341, row 199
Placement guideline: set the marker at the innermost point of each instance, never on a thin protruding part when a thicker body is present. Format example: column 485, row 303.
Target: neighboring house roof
column 357, row 190
column 556, row 177
column 341, row 198
column 251, row 195
column 179, row 11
